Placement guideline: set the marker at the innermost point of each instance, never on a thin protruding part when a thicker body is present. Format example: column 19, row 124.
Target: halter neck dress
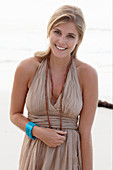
column 36, row 155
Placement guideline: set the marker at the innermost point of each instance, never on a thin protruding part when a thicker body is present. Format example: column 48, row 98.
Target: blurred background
column 22, row 32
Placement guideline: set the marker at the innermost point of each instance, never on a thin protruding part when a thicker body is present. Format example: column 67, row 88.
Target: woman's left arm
column 90, row 100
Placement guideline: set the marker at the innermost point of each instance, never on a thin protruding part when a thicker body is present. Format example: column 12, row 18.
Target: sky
column 95, row 11
column 25, row 20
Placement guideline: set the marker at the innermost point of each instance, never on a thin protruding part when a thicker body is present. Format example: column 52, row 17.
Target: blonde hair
column 64, row 14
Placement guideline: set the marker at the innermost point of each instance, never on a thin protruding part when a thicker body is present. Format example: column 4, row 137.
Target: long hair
column 64, row 14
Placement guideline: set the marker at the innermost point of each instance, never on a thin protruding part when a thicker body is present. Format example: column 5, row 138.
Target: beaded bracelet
column 28, row 129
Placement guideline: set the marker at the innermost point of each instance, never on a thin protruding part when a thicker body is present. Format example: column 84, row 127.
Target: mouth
column 60, row 48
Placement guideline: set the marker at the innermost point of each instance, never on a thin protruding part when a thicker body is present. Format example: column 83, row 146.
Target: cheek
column 52, row 39
column 73, row 44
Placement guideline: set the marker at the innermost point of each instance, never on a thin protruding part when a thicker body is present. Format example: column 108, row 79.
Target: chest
column 56, row 85
column 72, row 99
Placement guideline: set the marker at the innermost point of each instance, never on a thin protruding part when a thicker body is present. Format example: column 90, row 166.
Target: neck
column 59, row 64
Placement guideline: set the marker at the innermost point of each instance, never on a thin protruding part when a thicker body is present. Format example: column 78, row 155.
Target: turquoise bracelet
column 28, row 129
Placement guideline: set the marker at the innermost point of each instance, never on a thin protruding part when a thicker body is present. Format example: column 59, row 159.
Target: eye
column 57, row 32
column 70, row 36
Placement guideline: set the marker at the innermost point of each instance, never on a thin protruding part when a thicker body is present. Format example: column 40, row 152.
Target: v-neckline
column 55, row 106
column 48, row 93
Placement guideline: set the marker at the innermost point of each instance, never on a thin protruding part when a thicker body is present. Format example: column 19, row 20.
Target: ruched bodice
column 72, row 99
column 36, row 155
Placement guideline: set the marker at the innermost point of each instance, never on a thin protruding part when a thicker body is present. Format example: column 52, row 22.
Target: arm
column 90, row 100
column 18, row 96
column 23, row 77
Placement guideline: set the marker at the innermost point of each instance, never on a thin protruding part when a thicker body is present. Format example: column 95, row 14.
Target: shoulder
column 29, row 63
column 86, row 73
column 26, row 69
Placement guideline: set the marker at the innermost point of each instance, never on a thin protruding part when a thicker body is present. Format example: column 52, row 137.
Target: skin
column 64, row 36
column 58, row 60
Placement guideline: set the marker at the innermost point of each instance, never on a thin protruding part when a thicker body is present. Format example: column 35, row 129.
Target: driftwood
column 105, row 104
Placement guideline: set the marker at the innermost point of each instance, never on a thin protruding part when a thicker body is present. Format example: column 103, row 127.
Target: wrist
column 36, row 131
column 28, row 129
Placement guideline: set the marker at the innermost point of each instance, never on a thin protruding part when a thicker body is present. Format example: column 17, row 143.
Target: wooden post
column 105, row 104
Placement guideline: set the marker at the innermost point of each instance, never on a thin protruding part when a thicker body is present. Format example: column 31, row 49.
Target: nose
column 62, row 40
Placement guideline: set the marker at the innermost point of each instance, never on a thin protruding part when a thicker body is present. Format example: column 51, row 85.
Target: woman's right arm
column 18, row 96
column 23, row 76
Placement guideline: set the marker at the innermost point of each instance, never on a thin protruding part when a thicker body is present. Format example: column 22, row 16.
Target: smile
column 60, row 48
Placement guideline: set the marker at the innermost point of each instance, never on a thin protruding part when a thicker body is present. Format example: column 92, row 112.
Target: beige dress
column 36, row 155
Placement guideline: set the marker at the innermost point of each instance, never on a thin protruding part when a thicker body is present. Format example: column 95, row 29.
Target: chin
column 59, row 54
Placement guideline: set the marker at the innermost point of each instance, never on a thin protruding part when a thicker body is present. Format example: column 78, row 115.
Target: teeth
column 60, row 48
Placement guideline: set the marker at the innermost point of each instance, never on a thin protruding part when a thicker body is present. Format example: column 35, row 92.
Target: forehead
column 68, row 27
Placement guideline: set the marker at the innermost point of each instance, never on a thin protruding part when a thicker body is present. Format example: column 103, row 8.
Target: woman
column 61, row 95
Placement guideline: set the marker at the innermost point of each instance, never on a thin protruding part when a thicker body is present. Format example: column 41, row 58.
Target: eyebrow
column 72, row 34
column 61, row 31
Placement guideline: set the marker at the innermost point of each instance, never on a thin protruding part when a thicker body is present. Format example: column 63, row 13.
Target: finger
column 60, row 137
column 60, row 142
column 61, row 132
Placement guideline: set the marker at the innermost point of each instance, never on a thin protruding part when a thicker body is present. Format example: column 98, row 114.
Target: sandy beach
column 12, row 137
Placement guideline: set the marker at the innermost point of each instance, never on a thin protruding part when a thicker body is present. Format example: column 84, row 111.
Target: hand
column 51, row 137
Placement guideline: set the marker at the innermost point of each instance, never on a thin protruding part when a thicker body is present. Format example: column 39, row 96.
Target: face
column 63, row 39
